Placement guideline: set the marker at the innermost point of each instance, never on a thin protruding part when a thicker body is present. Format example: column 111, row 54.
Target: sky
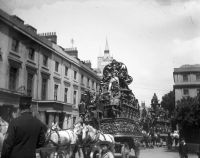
column 151, row 37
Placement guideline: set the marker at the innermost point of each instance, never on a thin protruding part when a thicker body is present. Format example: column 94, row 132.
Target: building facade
column 33, row 64
column 104, row 60
column 186, row 81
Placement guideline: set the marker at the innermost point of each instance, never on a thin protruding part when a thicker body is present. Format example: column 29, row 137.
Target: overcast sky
column 150, row 36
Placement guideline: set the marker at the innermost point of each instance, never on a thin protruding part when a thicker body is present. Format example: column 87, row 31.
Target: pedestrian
column 137, row 148
column 25, row 133
column 169, row 141
column 125, row 150
column 183, row 151
column 105, row 149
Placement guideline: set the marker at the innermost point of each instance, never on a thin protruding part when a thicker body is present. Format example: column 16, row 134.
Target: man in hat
column 25, row 133
column 136, row 147
column 183, row 151
column 105, row 148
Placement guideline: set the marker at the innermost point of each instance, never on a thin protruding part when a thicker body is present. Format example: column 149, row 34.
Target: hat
column 25, row 102
column 104, row 143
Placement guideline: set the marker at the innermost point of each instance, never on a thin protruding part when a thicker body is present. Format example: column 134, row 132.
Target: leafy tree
column 188, row 112
column 188, row 118
column 168, row 102
column 154, row 102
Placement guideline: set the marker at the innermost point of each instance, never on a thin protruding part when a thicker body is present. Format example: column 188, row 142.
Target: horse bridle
column 48, row 136
column 93, row 140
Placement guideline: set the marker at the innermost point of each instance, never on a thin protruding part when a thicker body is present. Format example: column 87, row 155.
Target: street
column 156, row 152
column 161, row 153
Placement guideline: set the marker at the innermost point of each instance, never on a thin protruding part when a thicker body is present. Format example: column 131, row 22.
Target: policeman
column 25, row 133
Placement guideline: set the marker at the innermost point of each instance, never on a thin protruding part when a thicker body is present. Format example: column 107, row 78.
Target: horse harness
column 93, row 140
column 59, row 138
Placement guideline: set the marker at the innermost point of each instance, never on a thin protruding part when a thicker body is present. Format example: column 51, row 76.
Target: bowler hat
column 25, row 102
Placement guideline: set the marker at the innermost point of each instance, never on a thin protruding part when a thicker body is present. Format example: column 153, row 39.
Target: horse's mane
column 91, row 128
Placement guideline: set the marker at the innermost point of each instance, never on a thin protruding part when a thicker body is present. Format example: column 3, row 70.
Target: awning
column 54, row 106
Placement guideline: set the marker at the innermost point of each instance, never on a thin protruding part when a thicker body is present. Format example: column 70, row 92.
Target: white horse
column 3, row 130
column 64, row 138
column 91, row 137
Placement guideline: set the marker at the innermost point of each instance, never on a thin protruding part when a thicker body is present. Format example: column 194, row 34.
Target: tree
column 188, row 118
column 168, row 102
column 154, row 102
column 188, row 112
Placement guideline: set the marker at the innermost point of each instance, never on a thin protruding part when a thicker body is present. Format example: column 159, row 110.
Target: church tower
column 104, row 60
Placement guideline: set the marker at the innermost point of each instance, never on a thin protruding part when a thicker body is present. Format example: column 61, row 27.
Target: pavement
column 162, row 152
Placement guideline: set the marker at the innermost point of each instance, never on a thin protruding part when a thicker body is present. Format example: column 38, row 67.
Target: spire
column 106, row 47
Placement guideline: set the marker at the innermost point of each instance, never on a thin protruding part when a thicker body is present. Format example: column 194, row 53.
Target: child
column 125, row 150
column 105, row 149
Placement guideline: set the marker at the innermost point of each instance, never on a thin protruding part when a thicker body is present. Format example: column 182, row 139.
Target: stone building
column 186, row 81
column 104, row 60
column 33, row 64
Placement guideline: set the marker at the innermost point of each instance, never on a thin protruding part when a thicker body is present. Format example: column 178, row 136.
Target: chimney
column 51, row 36
column 72, row 52
column 17, row 19
column 31, row 28
column 88, row 63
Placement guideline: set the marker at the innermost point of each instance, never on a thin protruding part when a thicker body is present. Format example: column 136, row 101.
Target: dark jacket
column 24, row 135
column 183, row 150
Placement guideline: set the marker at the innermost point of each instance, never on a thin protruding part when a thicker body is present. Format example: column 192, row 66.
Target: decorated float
column 114, row 110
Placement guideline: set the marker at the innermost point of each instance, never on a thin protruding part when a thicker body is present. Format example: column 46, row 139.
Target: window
column 96, row 86
column 15, row 45
column 45, row 60
column 44, row 88
column 55, row 92
column 56, row 66
column 88, row 82
column 1, row 54
column 13, row 78
column 75, row 75
column 185, row 92
column 82, row 77
column 66, row 71
column 93, row 84
column 198, row 77
column 30, row 84
column 198, row 91
column 185, row 78
column 65, row 93
column 31, row 53
column 74, row 99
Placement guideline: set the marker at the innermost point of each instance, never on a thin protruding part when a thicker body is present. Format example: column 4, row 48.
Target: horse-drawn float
column 115, row 110
column 111, row 115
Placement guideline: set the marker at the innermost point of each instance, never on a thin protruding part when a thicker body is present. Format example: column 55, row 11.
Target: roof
column 187, row 68
column 18, row 24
